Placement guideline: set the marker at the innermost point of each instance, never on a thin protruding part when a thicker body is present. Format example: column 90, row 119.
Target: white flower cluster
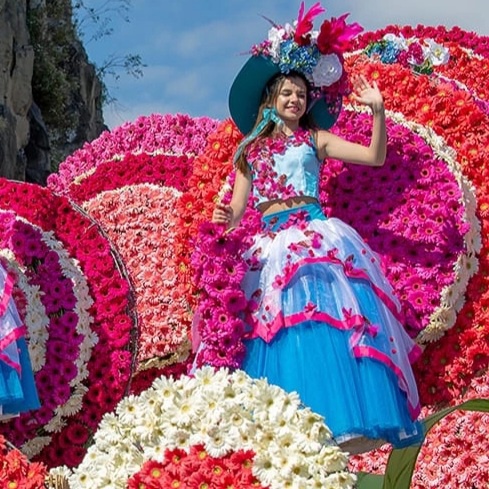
column 434, row 53
column 225, row 412
column 276, row 36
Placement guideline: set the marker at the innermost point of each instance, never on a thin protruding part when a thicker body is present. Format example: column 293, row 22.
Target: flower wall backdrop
column 116, row 260
column 451, row 99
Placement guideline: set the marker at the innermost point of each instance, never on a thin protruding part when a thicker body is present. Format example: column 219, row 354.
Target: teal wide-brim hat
column 247, row 90
column 296, row 48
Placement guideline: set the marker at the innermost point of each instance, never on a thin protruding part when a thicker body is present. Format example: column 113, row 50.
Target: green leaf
column 369, row 481
column 400, row 466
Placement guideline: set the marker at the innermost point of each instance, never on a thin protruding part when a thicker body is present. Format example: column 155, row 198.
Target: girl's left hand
column 367, row 93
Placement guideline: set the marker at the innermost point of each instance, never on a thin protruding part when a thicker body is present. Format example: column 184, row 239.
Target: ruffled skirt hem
column 323, row 321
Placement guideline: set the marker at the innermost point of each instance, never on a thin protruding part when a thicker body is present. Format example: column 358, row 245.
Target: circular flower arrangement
column 129, row 181
column 70, row 292
column 227, row 421
column 452, row 102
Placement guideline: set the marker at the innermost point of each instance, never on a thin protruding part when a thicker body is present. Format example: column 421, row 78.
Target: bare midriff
column 273, row 206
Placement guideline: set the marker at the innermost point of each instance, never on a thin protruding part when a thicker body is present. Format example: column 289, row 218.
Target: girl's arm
column 331, row 146
column 231, row 214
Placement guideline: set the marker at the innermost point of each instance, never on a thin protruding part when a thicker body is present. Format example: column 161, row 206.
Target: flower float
column 152, row 185
column 219, row 426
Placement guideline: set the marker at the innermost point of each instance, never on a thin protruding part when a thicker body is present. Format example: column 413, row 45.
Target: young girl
column 323, row 319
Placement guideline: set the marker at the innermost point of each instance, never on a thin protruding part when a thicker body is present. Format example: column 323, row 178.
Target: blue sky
column 192, row 49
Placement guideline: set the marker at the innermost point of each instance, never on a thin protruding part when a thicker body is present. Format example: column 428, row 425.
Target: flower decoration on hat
column 318, row 55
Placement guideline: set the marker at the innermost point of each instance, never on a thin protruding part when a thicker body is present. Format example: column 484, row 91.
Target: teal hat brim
column 247, row 90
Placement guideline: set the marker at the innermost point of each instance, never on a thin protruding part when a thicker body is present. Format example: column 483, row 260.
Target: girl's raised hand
column 367, row 93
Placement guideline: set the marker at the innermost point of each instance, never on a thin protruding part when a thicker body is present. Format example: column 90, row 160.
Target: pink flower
column 302, row 35
column 335, row 35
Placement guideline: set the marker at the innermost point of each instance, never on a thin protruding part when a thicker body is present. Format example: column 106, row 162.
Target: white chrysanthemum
column 34, row 446
column 327, row 71
column 265, row 468
column 207, row 377
column 436, row 53
column 82, row 479
column 332, row 458
column 166, row 388
column 287, row 451
column 154, row 452
column 217, row 443
column 127, row 410
column 147, row 430
column 60, row 471
column 183, row 411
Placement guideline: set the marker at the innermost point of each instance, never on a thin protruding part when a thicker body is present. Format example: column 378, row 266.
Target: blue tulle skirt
column 18, row 391
column 326, row 324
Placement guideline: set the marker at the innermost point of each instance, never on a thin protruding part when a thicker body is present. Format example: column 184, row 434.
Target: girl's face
column 291, row 102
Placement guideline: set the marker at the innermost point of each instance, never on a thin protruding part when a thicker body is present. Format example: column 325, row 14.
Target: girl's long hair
column 269, row 97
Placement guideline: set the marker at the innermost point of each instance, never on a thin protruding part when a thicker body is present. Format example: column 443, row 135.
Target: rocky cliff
column 50, row 96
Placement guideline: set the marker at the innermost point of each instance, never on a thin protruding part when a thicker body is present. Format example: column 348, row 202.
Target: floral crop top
column 284, row 167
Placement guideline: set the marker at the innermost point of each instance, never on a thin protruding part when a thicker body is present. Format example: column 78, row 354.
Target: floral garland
column 218, row 331
column 137, row 219
column 56, row 249
column 220, row 415
column 194, row 209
